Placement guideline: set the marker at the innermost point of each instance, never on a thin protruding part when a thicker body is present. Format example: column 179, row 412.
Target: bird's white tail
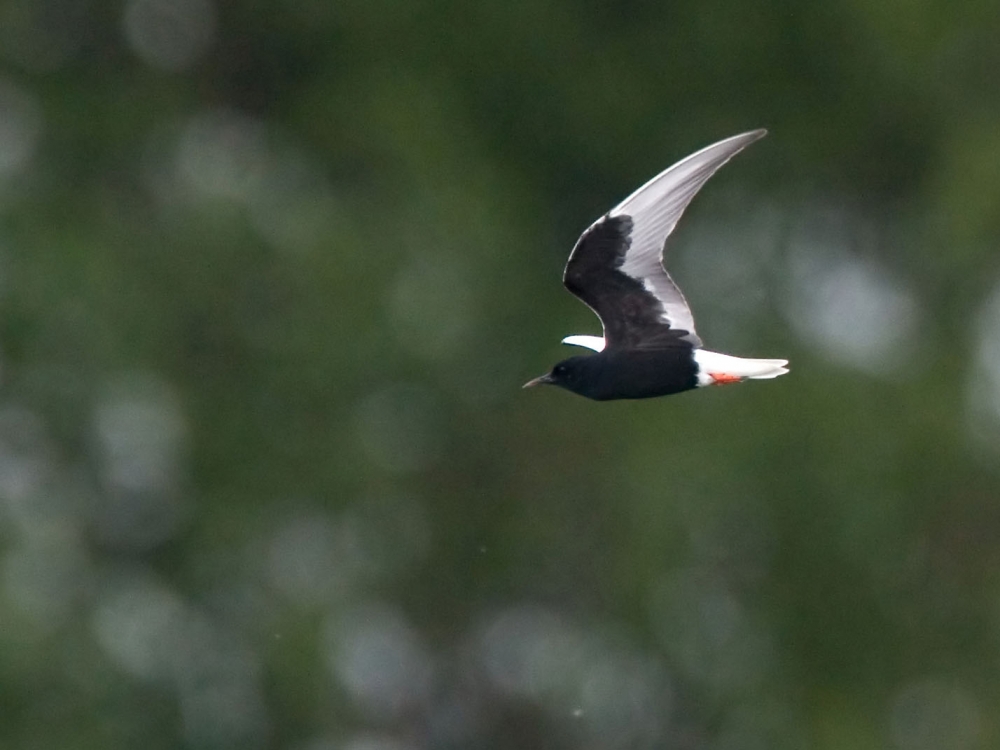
column 715, row 368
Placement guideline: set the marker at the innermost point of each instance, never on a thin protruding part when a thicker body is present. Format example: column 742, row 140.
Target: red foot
column 722, row 378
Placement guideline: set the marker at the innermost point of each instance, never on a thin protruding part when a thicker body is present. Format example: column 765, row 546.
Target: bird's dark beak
column 542, row 380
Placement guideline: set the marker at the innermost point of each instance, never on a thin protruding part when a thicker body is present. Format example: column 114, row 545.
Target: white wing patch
column 676, row 312
column 590, row 342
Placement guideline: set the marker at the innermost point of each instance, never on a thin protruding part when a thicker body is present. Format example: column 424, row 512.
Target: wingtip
column 753, row 135
column 740, row 141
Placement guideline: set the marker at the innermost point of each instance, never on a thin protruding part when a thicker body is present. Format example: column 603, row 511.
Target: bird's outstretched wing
column 617, row 264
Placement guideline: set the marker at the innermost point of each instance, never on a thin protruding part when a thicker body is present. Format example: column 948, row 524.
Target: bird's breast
column 633, row 374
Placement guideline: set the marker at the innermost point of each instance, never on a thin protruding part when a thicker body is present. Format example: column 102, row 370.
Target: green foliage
column 271, row 277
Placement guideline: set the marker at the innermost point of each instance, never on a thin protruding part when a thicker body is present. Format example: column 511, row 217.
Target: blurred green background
column 272, row 274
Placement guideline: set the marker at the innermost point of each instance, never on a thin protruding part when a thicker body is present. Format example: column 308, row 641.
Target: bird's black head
column 576, row 374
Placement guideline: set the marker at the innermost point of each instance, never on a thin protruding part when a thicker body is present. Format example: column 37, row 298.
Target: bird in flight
column 650, row 347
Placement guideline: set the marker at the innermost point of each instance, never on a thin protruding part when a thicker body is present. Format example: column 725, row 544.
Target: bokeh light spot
column 137, row 622
column 294, row 207
column 932, row 715
column 983, row 395
column 379, row 659
column 529, row 651
column 311, row 560
column 171, row 35
column 223, row 154
column 25, row 466
column 141, row 432
column 20, row 128
column 852, row 309
column 708, row 632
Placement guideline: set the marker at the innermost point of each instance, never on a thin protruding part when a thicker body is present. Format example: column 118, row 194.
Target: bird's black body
column 628, row 373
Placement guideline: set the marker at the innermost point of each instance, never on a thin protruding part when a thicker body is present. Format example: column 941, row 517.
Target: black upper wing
column 632, row 316
column 617, row 265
